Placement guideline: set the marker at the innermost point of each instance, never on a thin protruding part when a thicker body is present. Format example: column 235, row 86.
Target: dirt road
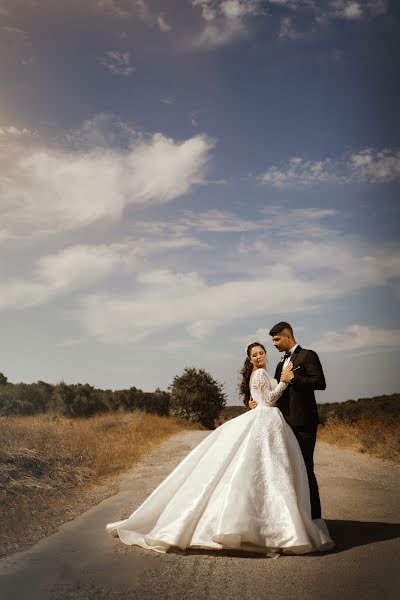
column 361, row 504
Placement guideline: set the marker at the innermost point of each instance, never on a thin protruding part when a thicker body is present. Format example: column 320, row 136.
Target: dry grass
column 379, row 437
column 52, row 469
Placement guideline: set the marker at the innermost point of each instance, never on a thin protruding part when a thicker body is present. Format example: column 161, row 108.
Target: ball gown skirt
column 243, row 487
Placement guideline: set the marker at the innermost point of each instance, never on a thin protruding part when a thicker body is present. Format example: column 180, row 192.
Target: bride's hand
column 287, row 373
column 252, row 403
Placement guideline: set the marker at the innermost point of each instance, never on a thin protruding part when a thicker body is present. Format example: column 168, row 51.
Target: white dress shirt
column 290, row 357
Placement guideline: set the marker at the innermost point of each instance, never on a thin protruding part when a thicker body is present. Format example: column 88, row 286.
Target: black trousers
column 307, row 441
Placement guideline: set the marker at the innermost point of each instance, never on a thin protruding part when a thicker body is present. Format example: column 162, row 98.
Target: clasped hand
column 286, row 377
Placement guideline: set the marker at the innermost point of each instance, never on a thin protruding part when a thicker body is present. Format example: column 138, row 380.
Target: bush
column 377, row 436
column 387, row 407
column 23, row 399
column 230, row 412
column 197, row 397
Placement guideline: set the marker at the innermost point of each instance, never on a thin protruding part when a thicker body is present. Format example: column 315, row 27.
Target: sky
column 177, row 176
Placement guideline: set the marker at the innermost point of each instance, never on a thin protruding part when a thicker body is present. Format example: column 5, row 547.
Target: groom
column 297, row 403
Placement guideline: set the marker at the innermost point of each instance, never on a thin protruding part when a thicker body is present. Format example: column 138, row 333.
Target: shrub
column 197, row 397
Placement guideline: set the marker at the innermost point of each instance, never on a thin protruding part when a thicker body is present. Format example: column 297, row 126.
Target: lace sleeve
column 261, row 390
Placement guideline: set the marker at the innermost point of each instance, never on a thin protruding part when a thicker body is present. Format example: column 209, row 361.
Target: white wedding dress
column 243, row 487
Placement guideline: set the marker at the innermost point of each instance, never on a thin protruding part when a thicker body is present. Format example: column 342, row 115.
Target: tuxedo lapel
column 295, row 355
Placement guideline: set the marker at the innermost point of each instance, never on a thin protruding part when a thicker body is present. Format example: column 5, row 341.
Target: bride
column 243, row 487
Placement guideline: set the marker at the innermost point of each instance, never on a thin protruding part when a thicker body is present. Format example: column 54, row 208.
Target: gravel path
column 360, row 497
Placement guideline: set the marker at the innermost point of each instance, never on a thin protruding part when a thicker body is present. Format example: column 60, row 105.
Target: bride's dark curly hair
column 247, row 368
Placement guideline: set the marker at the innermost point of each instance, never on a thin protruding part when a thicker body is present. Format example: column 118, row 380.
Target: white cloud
column 202, row 328
column 311, row 214
column 300, row 18
column 193, row 120
column 167, row 100
column 378, row 7
column 130, row 9
column 119, row 8
column 27, row 61
column 170, row 281
column 155, row 167
column 282, row 274
column 102, row 130
column 295, row 223
column 346, row 9
column 298, row 224
column 225, row 20
column 70, row 342
column 163, row 24
column 366, row 166
column 358, row 338
column 22, row 294
column 286, row 28
column 208, row 9
column 355, row 10
column 70, row 269
column 13, row 132
column 14, row 41
column 150, row 17
column 46, row 189
column 76, row 268
column 341, row 263
column 214, row 220
column 234, row 9
column 173, row 299
column 118, row 63
column 374, row 166
column 14, row 31
column 294, row 263
column 147, row 246
column 296, row 171
column 336, row 9
column 279, row 270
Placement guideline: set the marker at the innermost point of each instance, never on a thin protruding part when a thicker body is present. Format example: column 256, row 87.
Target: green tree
column 63, row 399
column 3, row 379
column 197, row 397
column 161, row 402
column 21, row 399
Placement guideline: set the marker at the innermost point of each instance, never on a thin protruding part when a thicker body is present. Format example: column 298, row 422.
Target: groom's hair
column 279, row 327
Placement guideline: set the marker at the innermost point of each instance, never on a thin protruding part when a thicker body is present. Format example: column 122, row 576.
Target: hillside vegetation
column 194, row 395
column 77, row 400
column 351, row 411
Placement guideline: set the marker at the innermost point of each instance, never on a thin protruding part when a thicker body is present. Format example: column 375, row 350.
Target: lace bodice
column 264, row 389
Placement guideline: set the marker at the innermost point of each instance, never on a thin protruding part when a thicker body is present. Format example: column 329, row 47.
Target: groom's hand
column 287, row 373
column 252, row 403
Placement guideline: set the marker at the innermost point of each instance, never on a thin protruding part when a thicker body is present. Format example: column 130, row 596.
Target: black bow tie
column 287, row 355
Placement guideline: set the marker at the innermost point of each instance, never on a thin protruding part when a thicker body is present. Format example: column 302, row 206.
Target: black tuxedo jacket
column 297, row 403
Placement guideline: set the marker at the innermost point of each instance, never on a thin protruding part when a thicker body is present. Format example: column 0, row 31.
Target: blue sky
column 178, row 176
